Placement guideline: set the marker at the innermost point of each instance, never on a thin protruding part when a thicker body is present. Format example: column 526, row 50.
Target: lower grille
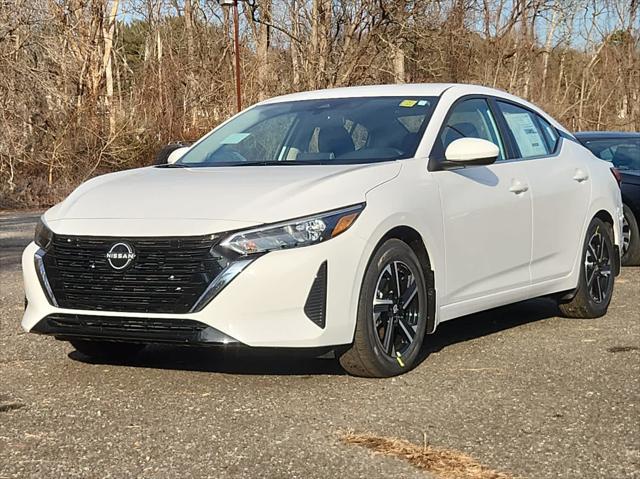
column 167, row 275
column 147, row 330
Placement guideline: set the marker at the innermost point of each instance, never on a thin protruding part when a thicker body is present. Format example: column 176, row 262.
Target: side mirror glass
column 171, row 153
column 472, row 151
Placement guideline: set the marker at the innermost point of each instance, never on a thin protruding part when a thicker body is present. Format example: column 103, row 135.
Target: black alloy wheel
column 598, row 267
column 392, row 313
column 396, row 309
column 626, row 235
column 595, row 282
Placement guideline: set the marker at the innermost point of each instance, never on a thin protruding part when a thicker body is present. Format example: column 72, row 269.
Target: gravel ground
column 517, row 388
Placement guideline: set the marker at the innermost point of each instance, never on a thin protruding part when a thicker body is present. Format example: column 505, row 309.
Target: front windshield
column 328, row 131
column 624, row 153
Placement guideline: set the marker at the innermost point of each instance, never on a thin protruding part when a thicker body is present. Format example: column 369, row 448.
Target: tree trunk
column 398, row 65
column 263, row 50
column 295, row 48
column 108, row 28
column 189, row 94
column 547, row 50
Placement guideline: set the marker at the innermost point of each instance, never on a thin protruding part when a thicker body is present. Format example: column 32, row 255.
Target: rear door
column 560, row 190
column 486, row 214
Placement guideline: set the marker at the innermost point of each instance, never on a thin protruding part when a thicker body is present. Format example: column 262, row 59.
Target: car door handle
column 581, row 176
column 518, row 187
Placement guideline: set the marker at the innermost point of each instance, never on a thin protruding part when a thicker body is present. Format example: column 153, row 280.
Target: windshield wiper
column 172, row 165
column 268, row 163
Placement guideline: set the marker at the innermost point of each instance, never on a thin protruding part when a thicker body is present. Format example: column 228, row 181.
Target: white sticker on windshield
column 234, row 138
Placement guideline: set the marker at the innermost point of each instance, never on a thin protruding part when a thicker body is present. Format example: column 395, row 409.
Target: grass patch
column 443, row 463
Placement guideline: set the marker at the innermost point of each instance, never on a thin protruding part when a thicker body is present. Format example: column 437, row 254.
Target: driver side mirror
column 176, row 154
column 471, row 151
column 171, row 153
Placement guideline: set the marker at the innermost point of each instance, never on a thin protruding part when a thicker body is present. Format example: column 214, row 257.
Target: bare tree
column 90, row 86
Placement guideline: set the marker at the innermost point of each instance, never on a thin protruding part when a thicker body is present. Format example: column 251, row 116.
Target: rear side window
column 525, row 130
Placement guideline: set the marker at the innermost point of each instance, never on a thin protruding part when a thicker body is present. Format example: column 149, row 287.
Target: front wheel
column 595, row 285
column 392, row 314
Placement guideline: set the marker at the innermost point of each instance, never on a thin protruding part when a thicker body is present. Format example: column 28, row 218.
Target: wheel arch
column 605, row 216
column 608, row 210
column 415, row 241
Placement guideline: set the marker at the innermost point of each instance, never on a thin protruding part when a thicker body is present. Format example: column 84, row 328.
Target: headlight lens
column 294, row 233
column 43, row 236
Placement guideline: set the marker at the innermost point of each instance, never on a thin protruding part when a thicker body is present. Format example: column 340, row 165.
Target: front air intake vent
column 316, row 306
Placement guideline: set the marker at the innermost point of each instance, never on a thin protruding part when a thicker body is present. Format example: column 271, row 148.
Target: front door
column 486, row 214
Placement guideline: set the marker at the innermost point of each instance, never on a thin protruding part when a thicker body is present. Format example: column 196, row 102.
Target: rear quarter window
column 551, row 135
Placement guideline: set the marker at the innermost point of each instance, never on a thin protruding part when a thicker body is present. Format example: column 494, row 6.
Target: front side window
column 624, row 153
column 327, row 131
column 527, row 134
column 471, row 119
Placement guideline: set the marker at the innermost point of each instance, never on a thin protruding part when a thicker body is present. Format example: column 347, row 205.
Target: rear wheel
column 106, row 349
column 630, row 239
column 391, row 320
column 595, row 285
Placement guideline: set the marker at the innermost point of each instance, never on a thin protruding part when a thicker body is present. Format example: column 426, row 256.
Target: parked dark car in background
column 623, row 150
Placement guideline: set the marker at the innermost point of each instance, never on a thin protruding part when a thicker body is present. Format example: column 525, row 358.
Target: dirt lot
column 517, row 388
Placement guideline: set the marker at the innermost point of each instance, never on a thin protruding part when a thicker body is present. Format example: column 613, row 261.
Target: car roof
column 592, row 135
column 400, row 90
column 408, row 90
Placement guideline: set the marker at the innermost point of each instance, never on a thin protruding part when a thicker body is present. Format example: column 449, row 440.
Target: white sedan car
column 352, row 220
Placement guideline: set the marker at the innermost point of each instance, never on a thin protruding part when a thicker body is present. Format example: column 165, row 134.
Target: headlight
column 294, row 233
column 43, row 236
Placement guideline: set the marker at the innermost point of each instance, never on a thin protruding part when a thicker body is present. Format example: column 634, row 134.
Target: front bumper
column 264, row 306
column 132, row 330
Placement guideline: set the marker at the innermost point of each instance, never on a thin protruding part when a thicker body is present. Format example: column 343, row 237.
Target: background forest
column 90, row 86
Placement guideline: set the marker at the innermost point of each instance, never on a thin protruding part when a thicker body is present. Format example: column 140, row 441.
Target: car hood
column 186, row 201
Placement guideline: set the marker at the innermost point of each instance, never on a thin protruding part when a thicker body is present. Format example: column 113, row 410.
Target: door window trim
column 512, row 153
column 518, row 156
column 436, row 155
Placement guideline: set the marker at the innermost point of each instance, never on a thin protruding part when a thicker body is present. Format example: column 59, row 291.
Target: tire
column 595, row 285
column 107, row 349
column 379, row 351
column 631, row 255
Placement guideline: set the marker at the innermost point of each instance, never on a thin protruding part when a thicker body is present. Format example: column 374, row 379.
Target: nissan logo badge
column 120, row 255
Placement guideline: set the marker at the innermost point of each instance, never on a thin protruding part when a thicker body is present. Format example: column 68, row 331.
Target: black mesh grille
column 316, row 306
column 166, row 276
column 148, row 330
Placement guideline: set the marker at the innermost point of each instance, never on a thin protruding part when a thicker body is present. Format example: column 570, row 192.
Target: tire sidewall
column 391, row 250
column 632, row 255
column 597, row 309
